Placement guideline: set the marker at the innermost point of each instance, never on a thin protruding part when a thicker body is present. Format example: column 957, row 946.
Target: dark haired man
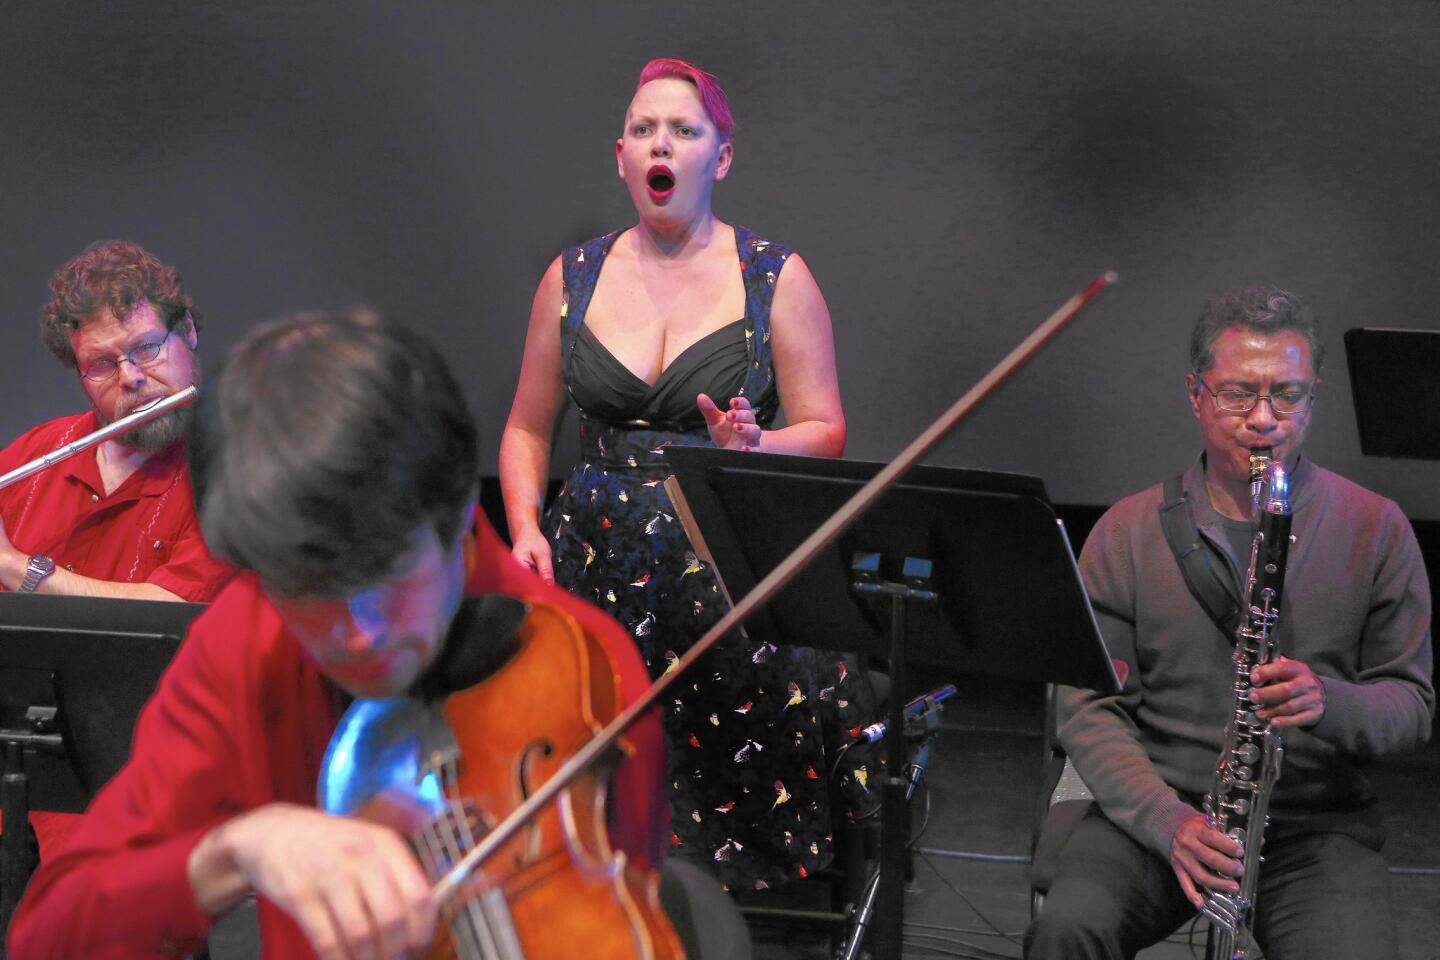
column 335, row 464
column 1354, row 681
column 116, row 520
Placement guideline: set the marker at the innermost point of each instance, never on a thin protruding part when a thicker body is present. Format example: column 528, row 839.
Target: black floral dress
column 748, row 733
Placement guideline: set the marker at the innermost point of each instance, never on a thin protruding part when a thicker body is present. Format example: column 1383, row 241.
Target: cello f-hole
column 533, row 753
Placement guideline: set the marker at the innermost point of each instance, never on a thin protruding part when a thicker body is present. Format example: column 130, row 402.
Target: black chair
column 1061, row 804
column 1063, row 801
column 703, row 914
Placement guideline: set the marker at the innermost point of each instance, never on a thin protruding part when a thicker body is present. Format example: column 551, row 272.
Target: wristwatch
column 39, row 567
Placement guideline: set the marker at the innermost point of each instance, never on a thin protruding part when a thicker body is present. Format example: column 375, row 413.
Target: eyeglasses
column 1285, row 403
column 141, row 356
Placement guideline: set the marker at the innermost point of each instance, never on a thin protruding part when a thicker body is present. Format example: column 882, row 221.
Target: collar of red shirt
column 153, row 477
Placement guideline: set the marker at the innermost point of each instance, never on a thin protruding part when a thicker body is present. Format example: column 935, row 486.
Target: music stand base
column 16, row 856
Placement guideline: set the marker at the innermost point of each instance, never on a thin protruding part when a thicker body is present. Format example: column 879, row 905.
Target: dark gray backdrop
column 951, row 171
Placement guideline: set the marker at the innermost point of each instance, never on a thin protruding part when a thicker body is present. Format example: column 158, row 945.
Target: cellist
column 335, row 463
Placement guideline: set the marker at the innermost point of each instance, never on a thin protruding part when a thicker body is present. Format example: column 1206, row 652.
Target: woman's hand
column 533, row 550
column 732, row 429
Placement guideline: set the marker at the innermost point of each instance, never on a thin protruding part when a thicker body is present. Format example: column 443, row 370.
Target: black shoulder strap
column 1208, row 584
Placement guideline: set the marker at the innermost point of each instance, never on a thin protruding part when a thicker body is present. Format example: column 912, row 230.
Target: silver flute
column 124, row 424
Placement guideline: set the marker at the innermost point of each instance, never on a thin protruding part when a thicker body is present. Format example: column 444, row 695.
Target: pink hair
column 712, row 95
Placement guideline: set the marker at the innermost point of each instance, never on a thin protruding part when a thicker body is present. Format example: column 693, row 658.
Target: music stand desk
column 1395, row 381
column 1007, row 596
column 74, row 673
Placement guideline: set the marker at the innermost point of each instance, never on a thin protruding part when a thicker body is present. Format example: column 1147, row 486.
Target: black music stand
column 1396, row 371
column 74, row 673
column 963, row 569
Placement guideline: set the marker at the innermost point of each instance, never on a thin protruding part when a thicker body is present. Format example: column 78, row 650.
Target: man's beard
column 160, row 434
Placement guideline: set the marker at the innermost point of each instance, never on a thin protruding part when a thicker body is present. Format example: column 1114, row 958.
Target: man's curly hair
column 113, row 275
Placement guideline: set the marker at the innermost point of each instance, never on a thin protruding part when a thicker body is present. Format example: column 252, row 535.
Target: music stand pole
column 889, row 917
column 861, row 920
column 15, row 854
column 14, row 845
column 894, row 811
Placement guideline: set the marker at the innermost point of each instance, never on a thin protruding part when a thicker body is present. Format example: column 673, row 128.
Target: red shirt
column 145, row 531
column 241, row 719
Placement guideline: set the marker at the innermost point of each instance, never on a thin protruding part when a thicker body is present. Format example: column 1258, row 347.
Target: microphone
column 917, row 707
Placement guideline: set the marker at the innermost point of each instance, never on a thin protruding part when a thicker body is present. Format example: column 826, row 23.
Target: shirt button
column 70, row 567
column 94, row 498
column 157, row 544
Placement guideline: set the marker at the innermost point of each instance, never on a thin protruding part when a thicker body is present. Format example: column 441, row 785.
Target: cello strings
column 431, row 851
column 471, row 922
column 478, row 923
column 438, row 846
column 482, row 922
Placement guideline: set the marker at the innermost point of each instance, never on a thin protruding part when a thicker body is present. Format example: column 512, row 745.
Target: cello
column 444, row 766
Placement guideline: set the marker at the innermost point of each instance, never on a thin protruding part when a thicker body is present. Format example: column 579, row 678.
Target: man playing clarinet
column 1352, row 681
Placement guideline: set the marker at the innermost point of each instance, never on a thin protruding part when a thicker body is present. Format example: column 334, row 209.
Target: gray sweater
column 1356, row 609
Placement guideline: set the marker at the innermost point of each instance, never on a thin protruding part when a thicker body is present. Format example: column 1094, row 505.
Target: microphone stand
column 928, row 723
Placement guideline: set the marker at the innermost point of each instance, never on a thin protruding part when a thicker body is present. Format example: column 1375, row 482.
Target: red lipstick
column 660, row 181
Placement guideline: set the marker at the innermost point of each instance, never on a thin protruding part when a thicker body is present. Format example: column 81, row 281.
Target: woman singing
column 683, row 329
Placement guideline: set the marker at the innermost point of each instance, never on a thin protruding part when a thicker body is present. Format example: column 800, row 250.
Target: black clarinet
column 1249, row 765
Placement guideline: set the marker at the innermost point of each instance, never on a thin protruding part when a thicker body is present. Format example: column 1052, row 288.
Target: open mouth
column 661, row 182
